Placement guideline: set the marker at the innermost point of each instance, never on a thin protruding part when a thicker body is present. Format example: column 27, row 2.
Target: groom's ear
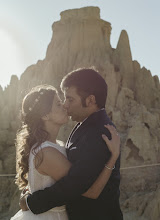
column 90, row 100
column 45, row 117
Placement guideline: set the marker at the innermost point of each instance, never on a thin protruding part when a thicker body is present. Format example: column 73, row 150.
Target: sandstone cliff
column 82, row 39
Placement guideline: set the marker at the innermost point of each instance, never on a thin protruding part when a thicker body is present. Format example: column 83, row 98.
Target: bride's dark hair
column 36, row 104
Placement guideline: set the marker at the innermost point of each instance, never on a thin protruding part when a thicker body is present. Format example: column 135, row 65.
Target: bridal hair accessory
column 36, row 101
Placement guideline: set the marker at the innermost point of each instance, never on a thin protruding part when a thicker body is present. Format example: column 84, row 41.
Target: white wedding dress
column 37, row 181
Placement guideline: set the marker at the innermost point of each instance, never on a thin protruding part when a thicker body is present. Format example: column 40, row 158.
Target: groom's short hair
column 87, row 81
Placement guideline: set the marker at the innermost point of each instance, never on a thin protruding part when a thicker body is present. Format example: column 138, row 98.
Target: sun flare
column 10, row 56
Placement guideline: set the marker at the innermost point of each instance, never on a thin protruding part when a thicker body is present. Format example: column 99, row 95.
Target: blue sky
column 25, row 30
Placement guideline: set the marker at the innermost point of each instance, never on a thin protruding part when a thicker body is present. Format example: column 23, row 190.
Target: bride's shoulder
column 47, row 145
column 59, row 145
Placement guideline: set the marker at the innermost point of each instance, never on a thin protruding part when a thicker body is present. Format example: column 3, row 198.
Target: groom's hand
column 22, row 202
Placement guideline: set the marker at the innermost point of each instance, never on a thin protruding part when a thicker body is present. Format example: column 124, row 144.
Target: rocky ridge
column 82, row 39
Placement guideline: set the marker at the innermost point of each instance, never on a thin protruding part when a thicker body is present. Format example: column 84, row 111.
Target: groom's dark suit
column 88, row 153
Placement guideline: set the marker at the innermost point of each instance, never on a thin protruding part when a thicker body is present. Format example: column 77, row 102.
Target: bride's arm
column 114, row 146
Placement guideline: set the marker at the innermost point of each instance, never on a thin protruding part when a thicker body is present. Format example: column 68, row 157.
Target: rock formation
column 82, row 39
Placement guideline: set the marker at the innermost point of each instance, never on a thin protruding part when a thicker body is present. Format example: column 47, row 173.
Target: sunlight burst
column 10, row 57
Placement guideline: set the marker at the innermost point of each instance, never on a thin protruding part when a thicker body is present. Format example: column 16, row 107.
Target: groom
column 85, row 94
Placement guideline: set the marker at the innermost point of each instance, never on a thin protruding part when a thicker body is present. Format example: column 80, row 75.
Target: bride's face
column 58, row 114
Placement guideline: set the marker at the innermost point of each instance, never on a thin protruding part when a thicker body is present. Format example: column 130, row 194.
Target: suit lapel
column 78, row 130
column 71, row 134
column 76, row 133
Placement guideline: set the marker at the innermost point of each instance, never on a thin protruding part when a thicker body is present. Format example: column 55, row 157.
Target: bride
column 41, row 158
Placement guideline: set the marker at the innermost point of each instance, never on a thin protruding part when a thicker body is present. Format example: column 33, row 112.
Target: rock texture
column 82, row 39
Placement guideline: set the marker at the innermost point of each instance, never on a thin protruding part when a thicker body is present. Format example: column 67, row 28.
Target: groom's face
column 73, row 105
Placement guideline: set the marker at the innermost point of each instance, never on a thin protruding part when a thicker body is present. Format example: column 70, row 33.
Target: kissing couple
column 81, row 180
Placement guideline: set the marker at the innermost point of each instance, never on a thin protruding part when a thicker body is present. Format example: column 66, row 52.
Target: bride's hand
column 114, row 143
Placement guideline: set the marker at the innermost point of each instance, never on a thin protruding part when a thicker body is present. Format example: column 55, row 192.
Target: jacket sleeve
column 92, row 155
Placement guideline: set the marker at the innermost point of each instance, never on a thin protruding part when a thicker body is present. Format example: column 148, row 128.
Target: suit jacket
column 88, row 153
